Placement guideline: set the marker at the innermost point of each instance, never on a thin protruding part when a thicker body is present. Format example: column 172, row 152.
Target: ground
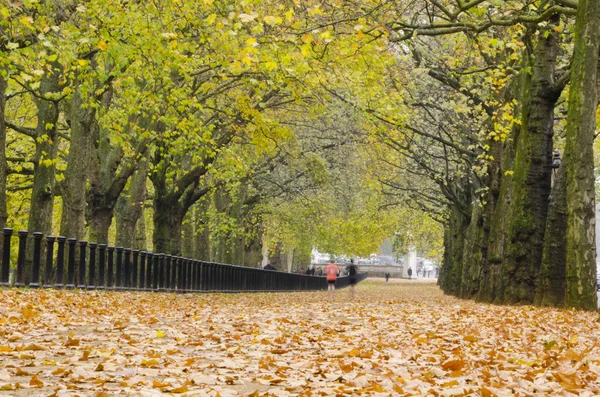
column 404, row 338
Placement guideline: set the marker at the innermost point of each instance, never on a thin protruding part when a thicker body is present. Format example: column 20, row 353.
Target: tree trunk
column 129, row 208
column 3, row 164
column 140, row 241
column 487, row 275
column 473, row 253
column 188, row 235
column 579, row 159
column 101, row 218
column 168, row 220
column 289, row 258
column 551, row 279
column 531, row 187
column 72, row 223
column 499, row 199
column 202, row 231
column 454, row 238
column 44, row 167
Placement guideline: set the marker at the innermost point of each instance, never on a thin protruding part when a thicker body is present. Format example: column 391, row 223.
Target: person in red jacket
column 331, row 271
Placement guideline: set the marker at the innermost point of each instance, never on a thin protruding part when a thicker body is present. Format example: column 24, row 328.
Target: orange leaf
column 35, row 382
column 453, row 365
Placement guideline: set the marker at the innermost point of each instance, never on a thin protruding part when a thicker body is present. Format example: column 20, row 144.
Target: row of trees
column 223, row 130
column 216, row 130
column 501, row 90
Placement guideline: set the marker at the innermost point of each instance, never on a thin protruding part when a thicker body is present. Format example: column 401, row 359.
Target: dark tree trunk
column 473, row 253
column 72, row 223
column 551, row 279
column 579, row 158
column 488, row 271
column 202, row 244
column 499, row 199
column 531, row 186
column 188, row 235
column 129, row 209
column 454, row 240
column 3, row 164
column 44, row 166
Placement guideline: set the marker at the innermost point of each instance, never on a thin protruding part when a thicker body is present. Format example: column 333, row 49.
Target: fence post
column 119, row 274
column 186, row 272
column 167, row 265
column 49, row 254
column 127, row 268
column 82, row 254
column 173, row 267
column 60, row 262
column 156, row 270
column 101, row 265
column 37, row 253
column 110, row 268
column 134, row 270
column 143, row 270
column 161, row 272
column 92, row 271
column 6, row 257
column 192, row 283
column 20, row 282
column 149, row 270
column 71, row 263
column 177, row 265
column 197, row 280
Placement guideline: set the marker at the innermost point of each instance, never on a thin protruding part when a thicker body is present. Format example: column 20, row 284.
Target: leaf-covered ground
column 397, row 339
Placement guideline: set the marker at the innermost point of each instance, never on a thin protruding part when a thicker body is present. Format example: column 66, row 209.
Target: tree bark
column 129, row 207
column 499, row 199
column 72, row 223
column 3, row 164
column 454, row 239
column 202, row 243
column 579, row 158
column 473, row 253
column 188, row 235
column 44, row 166
column 551, row 279
column 531, row 186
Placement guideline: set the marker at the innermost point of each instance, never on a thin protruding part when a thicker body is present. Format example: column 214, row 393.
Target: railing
column 103, row 267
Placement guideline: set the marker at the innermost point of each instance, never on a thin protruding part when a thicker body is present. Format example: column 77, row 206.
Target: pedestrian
column 409, row 272
column 352, row 271
column 387, row 277
column 332, row 271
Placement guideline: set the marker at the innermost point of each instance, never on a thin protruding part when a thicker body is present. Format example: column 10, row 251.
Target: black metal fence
column 99, row 266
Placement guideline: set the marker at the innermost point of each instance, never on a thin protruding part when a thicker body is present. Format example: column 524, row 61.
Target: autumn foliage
column 400, row 339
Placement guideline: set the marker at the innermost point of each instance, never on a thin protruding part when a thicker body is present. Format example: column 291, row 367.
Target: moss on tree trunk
column 551, row 282
column 579, row 159
column 526, row 219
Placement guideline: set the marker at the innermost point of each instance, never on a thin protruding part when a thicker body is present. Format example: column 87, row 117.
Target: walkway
column 404, row 338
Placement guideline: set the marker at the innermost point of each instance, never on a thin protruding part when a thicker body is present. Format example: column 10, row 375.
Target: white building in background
column 410, row 262
column 319, row 258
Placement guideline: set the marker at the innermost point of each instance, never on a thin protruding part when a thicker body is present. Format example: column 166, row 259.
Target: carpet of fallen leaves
column 403, row 338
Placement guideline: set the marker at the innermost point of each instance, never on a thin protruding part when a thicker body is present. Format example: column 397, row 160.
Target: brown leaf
column 453, row 365
column 35, row 382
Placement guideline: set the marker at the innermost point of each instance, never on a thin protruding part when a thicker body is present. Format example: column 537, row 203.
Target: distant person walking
column 331, row 271
column 387, row 278
column 409, row 272
column 352, row 271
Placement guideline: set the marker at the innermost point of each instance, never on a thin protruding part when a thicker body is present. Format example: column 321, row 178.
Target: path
column 399, row 339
